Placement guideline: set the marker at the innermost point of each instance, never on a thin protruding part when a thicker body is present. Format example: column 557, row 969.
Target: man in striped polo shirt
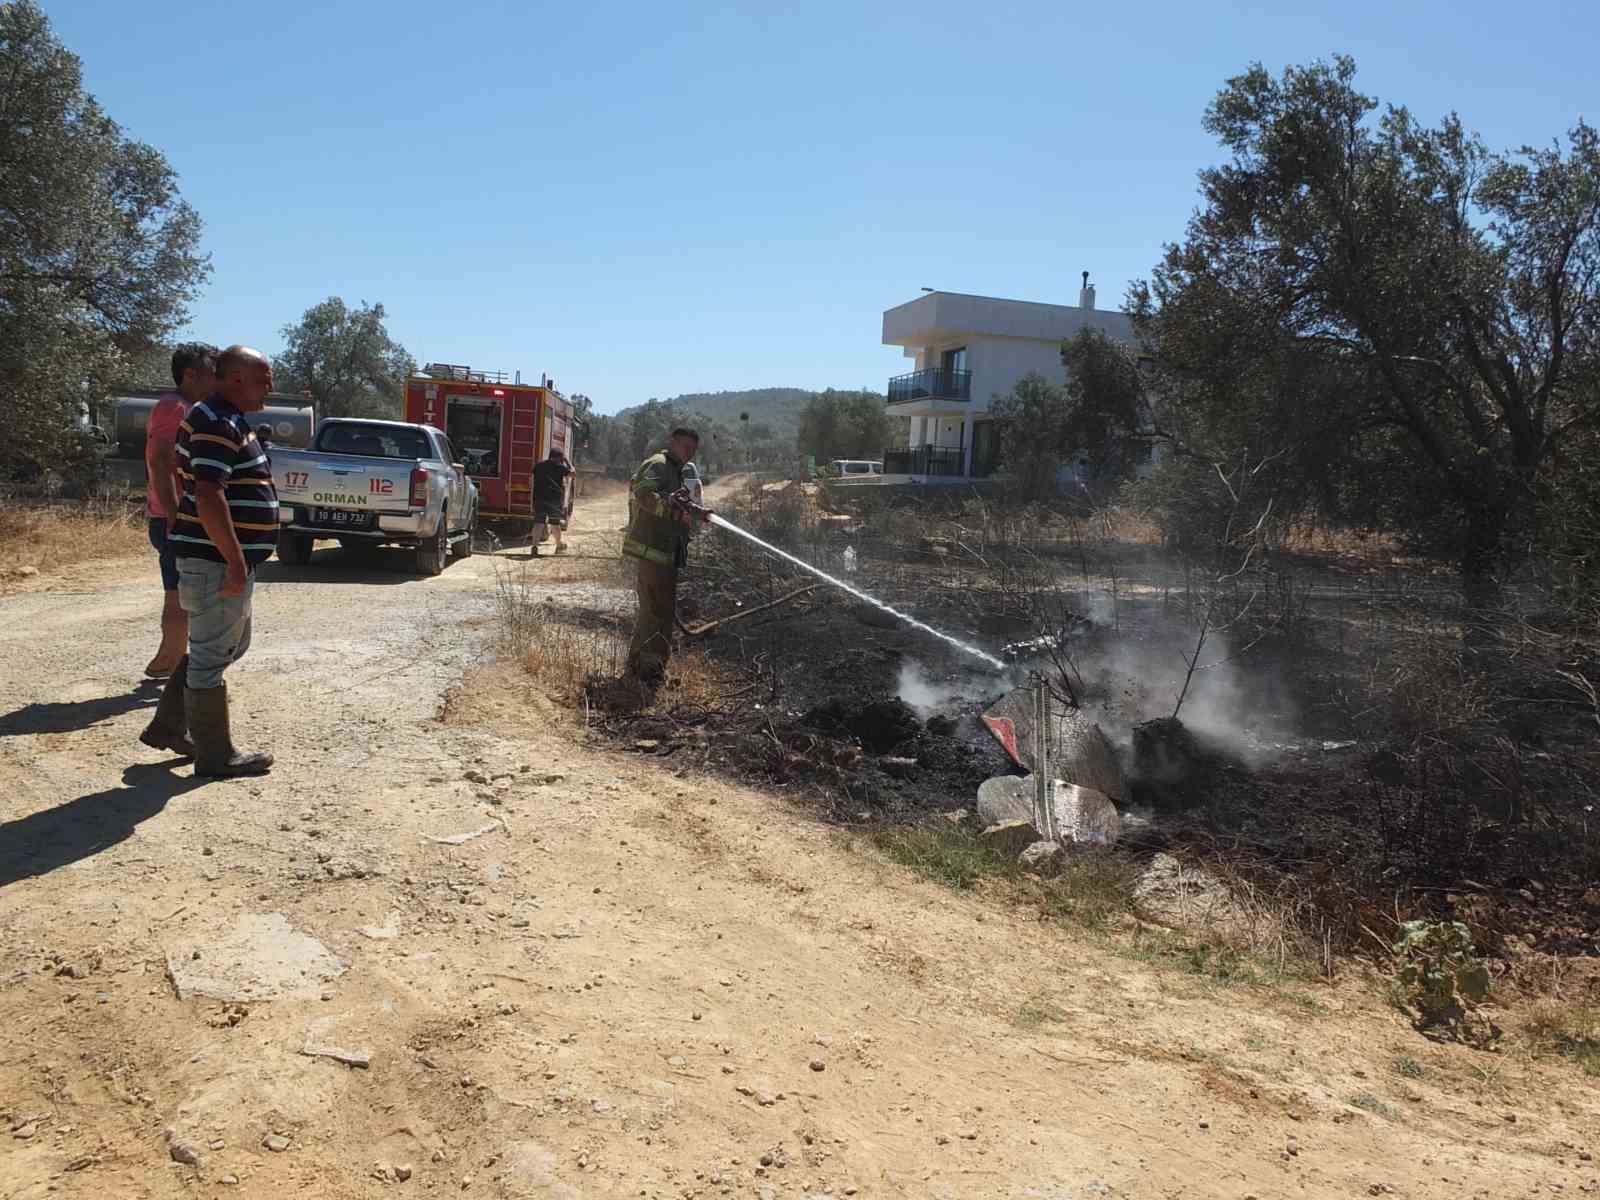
column 226, row 525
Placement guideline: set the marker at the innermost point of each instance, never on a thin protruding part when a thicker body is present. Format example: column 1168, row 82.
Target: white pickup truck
column 368, row 483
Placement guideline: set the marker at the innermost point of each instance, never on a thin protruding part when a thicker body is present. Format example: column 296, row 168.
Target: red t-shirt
column 165, row 418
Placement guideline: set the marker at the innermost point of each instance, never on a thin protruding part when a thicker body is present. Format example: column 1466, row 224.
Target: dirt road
column 628, row 983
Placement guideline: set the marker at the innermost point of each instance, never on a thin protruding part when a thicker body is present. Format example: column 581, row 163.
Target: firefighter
column 661, row 517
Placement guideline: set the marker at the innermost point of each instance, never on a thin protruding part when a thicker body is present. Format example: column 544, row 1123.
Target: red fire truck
column 499, row 428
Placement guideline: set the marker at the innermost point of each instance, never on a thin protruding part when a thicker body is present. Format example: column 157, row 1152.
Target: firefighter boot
column 169, row 728
column 215, row 756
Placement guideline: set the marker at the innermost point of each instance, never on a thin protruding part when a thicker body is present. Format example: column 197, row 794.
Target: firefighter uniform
column 658, row 542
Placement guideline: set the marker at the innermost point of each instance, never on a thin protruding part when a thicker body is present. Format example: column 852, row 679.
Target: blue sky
column 647, row 199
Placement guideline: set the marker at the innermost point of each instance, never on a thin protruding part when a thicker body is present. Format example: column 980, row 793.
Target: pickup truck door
column 457, row 490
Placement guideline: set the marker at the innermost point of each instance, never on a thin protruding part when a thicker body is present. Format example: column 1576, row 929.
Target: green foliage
column 1103, row 413
column 1407, row 1067
column 1439, row 974
column 346, row 359
column 1367, row 1102
column 99, row 255
column 1412, row 318
column 738, row 430
column 836, row 424
column 778, row 409
column 1031, row 421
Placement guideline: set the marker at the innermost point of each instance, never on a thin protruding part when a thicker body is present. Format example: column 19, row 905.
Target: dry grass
column 574, row 653
column 48, row 537
column 1425, row 685
column 1569, row 1030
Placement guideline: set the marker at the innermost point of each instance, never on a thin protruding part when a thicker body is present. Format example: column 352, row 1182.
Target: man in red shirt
column 194, row 370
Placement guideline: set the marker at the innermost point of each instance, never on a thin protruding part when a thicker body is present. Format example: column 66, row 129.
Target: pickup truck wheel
column 294, row 549
column 433, row 555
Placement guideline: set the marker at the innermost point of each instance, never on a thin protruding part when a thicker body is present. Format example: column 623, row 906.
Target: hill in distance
column 777, row 407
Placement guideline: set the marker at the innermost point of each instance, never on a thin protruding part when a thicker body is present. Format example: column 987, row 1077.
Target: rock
column 387, row 932
column 27, row 572
column 1084, row 816
column 275, row 1142
column 1010, row 837
column 941, row 726
column 1043, row 858
column 350, row 1058
column 183, row 1151
column 403, row 1172
column 262, row 957
column 647, row 745
column 898, row 767
column 1172, row 892
column 818, row 1065
column 968, row 1134
column 475, row 776
column 1005, row 798
column 230, row 1180
column 1080, row 752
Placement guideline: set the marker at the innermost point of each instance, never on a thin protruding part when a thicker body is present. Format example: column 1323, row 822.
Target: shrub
column 1439, row 974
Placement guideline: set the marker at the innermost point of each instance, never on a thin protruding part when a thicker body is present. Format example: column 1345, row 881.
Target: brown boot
column 215, row 755
column 169, row 728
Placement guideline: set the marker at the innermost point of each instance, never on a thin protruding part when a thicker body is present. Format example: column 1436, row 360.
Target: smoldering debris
column 928, row 696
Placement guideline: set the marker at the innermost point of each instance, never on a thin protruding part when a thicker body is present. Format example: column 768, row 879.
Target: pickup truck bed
column 371, row 483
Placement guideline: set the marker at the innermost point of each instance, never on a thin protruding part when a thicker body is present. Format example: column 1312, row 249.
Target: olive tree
column 1416, row 313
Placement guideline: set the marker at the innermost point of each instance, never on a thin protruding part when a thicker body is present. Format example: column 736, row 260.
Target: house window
column 1144, row 454
column 954, row 360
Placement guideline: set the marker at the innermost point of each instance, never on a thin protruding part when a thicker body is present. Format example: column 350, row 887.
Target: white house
column 967, row 350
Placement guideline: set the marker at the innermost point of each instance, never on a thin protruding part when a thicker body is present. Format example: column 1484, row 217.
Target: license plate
column 340, row 518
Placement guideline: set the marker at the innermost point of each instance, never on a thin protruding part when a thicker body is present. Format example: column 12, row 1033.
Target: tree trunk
column 1481, row 560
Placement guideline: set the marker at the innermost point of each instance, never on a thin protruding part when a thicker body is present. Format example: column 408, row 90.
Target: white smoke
column 927, row 696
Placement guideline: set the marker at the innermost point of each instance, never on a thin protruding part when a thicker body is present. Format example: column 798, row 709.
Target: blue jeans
column 219, row 626
column 169, row 565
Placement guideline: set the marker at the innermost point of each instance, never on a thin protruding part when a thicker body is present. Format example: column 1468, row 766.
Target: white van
column 846, row 467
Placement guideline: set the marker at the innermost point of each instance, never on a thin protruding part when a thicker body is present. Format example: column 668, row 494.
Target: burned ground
column 1331, row 751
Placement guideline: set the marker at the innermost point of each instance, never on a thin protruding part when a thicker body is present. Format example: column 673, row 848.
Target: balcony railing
column 924, row 460
column 936, row 383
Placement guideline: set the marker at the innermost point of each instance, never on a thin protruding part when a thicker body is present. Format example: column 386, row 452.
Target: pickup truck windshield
column 374, row 441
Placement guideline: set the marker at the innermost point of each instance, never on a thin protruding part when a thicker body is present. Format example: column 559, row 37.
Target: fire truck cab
column 500, row 428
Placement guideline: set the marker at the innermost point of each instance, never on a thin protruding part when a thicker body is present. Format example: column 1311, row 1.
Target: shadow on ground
column 57, row 837
column 70, row 716
column 340, row 565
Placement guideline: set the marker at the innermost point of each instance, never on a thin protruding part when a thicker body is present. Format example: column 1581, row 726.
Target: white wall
column 998, row 364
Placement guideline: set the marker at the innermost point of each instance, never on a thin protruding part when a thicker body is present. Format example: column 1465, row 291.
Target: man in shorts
column 194, row 367
column 552, row 483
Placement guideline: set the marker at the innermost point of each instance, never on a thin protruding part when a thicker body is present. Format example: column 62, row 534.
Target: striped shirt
column 217, row 445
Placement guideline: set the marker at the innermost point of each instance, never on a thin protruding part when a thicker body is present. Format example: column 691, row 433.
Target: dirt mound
column 879, row 725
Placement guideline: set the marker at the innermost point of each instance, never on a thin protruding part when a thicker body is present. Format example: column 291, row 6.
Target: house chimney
column 1086, row 293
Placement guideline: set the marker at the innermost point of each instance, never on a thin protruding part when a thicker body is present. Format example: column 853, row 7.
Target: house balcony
column 929, row 393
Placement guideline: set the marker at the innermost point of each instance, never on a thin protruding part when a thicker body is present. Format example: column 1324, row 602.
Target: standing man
column 552, row 480
column 227, row 525
column 194, row 371
column 660, row 519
